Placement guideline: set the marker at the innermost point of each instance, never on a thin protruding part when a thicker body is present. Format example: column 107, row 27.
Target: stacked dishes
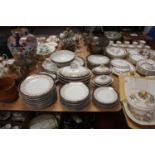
column 74, row 95
column 105, row 97
column 146, row 67
column 120, row 66
column 100, row 70
column 74, row 73
column 78, row 60
column 38, row 91
column 116, row 52
column 97, row 60
column 102, row 80
column 62, row 58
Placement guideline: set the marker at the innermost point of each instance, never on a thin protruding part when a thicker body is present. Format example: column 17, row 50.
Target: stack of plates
column 62, row 58
column 105, row 97
column 100, row 70
column 97, row 60
column 146, row 67
column 74, row 73
column 120, row 66
column 102, row 80
column 74, row 95
column 38, row 91
column 116, row 52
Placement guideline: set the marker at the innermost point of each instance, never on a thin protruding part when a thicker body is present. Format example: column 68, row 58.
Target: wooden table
column 57, row 107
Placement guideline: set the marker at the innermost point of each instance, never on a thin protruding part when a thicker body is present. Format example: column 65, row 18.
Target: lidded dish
column 102, row 80
column 99, row 70
column 74, row 72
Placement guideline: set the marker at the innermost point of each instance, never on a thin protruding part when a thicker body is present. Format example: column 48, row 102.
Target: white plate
column 62, row 56
column 74, row 92
column 105, row 95
column 120, row 63
column 49, row 66
column 116, row 52
column 45, row 49
column 36, row 85
column 98, row 59
column 130, row 115
column 102, row 79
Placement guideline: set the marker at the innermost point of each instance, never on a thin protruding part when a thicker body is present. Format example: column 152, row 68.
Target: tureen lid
column 74, row 70
column 102, row 79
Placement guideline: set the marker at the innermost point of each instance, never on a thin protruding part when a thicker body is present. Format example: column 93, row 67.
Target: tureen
column 101, row 70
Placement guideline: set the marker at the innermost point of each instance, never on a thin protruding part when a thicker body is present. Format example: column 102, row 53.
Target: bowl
column 8, row 90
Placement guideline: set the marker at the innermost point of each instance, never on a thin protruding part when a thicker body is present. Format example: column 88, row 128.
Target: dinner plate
column 97, row 59
column 36, row 85
column 74, row 92
column 105, row 95
column 62, row 56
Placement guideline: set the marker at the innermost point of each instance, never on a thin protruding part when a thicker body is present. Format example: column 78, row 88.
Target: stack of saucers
column 74, row 73
column 97, row 60
column 74, row 95
column 105, row 97
column 38, row 91
column 62, row 58
column 102, row 80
